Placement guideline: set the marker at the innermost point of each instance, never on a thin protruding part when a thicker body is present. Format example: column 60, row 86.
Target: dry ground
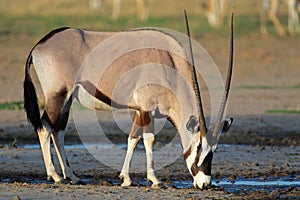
column 266, row 77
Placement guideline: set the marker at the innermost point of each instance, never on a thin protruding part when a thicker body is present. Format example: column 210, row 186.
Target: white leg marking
column 58, row 142
column 148, row 143
column 201, row 180
column 44, row 136
column 132, row 142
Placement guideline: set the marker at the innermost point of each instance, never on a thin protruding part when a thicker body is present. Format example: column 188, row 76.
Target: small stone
column 159, row 145
column 232, row 177
column 271, row 166
column 286, row 165
column 217, row 175
column 106, row 183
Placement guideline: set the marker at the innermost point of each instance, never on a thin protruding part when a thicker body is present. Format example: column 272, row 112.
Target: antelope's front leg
column 58, row 141
column 148, row 143
column 132, row 142
column 44, row 137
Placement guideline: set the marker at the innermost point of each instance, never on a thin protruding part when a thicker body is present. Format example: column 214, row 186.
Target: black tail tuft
column 30, row 99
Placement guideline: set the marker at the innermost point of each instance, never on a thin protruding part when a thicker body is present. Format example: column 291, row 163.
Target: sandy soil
column 266, row 77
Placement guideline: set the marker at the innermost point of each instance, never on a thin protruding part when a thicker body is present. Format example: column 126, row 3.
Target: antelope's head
column 200, row 153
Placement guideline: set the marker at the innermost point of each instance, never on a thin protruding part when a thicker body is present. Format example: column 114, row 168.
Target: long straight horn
column 227, row 86
column 195, row 82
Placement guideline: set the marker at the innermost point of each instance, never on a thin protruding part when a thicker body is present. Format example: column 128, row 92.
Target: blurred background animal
column 215, row 11
column 141, row 8
column 271, row 7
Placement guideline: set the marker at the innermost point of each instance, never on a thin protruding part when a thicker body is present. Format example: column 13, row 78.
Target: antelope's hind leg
column 58, row 141
column 53, row 104
column 55, row 117
column 44, row 137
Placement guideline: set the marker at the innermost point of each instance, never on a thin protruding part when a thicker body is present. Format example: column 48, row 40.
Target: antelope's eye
column 192, row 123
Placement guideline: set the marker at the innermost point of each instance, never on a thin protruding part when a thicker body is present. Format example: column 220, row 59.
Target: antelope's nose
column 202, row 181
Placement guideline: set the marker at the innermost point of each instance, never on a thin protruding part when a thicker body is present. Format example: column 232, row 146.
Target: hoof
column 155, row 181
column 57, row 179
column 126, row 180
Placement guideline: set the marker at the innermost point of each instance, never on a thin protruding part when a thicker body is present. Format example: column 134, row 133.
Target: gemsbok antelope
column 271, row 7
column 58, row 59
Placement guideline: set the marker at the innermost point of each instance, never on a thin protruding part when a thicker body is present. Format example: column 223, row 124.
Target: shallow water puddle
column 249, row 184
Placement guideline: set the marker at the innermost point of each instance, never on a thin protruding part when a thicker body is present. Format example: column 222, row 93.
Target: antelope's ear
column 227, row 124
column 192, row 125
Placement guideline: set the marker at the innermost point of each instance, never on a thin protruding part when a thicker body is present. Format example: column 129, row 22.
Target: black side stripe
column 93, row 90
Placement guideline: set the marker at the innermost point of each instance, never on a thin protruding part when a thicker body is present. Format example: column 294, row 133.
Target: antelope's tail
column 30, row 98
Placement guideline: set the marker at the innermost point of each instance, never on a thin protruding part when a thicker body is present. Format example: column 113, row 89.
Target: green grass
column 268, row 87
column 19, row 105
column 16, row 105
column 283, row 111
column 37, row 24
column 38, row 17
